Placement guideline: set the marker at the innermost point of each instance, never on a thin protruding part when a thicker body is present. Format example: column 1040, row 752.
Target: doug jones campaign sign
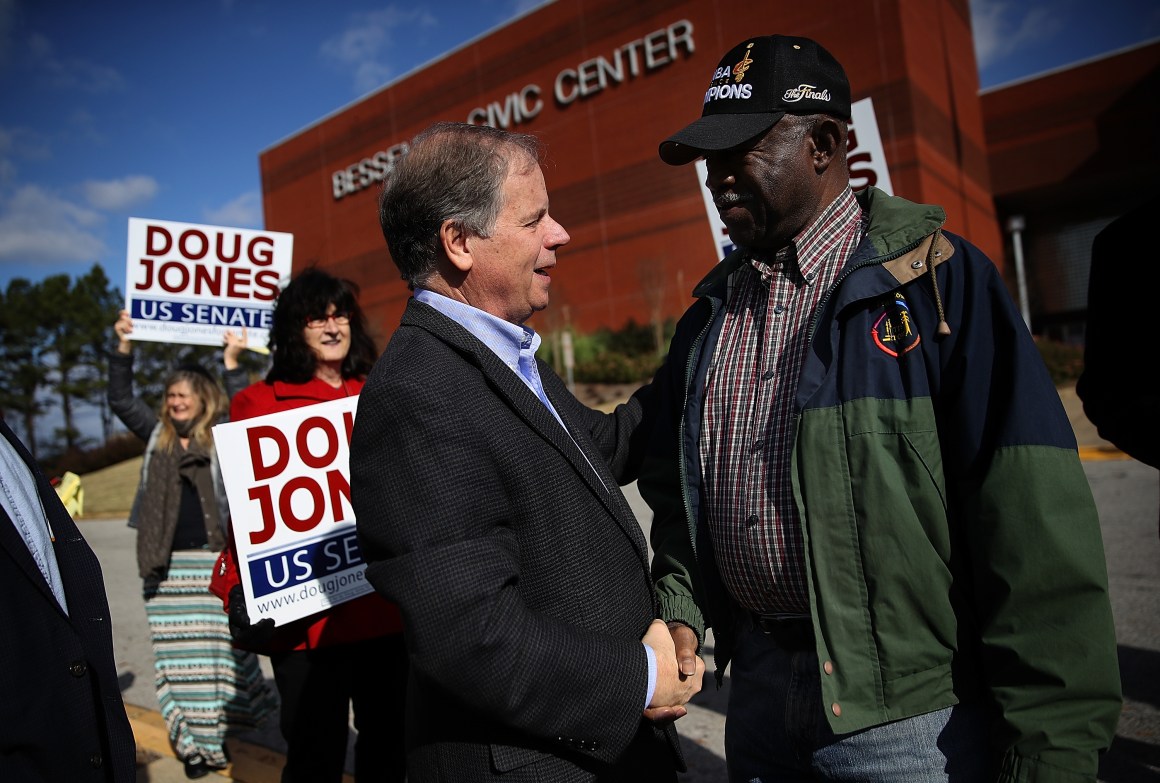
column 287, row 479
column 188, row 283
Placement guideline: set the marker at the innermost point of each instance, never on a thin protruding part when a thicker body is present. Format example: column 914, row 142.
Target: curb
column 1101, row 453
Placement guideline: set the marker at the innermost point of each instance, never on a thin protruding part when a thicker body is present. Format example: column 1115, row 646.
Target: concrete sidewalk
column 1091, row 445
column 156, row 763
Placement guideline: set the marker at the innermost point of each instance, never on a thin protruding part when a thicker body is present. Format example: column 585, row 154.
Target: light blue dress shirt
column 515, row 346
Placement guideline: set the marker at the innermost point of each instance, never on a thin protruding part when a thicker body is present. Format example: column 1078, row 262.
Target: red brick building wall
column 1092, row 125
column 1070, row 150
column 640, row 237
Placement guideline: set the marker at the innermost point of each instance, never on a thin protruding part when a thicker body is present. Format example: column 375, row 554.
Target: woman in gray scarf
column 207, row 689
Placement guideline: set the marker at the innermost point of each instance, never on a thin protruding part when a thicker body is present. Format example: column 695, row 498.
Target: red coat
column 366, row 617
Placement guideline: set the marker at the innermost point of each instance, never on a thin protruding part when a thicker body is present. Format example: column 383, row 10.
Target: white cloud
column 71, row 73
column 40, row 228
column 24, row 143
column 370, row 76
column 1002, row 27
column 364, row 45
column 245, row 211
column 119, row 194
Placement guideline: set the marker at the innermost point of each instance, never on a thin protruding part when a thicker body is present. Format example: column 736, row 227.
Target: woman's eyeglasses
column 340, row 319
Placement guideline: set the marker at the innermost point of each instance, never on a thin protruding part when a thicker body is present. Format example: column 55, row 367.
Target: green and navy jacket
column 953, row 551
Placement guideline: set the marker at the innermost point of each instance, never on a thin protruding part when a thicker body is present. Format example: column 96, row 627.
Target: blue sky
column 160, row 109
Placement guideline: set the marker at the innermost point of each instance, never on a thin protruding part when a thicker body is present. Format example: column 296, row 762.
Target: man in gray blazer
column 61, row 714
column 488, row 498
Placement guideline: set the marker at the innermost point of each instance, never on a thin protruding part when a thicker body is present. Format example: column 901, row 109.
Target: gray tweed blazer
column 520, row 569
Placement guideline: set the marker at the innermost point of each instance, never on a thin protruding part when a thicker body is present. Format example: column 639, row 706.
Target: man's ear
column 827, row 140
column 456, row 245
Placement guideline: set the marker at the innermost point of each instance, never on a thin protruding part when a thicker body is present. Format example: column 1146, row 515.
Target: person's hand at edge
column 233, row 345
column 122, row 329
column 674, row 688
column 247, row 635
column 685, row 646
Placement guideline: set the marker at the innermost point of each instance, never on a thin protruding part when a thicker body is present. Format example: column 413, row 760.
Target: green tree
column 66, row 343
column 95, row 306
column 76, row 328
column 22, row 347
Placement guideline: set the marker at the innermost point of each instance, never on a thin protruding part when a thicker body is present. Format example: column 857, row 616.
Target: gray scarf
column 160, row 503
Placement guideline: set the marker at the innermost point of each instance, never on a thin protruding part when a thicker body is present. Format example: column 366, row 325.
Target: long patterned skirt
column 208, row 690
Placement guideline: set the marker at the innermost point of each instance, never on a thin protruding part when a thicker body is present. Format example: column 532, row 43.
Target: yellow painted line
column 1099, row 453
column 149, row 730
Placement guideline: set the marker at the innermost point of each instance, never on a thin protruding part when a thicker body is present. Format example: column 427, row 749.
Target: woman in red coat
column 352, row 653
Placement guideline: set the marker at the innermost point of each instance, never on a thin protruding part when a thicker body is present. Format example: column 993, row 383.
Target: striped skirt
column 208, row 690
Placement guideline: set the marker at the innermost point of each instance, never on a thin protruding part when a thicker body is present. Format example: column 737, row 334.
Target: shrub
column 1064, row 360
column 626, row 355
column 120, row 447
column 614, row 367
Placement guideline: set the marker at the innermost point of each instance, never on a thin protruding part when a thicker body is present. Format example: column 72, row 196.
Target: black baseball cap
column 757, row 83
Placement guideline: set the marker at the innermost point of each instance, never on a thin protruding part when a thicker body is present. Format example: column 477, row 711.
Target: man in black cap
column 863, row 478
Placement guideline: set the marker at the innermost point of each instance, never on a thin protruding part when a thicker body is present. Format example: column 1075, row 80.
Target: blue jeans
column 776, row 729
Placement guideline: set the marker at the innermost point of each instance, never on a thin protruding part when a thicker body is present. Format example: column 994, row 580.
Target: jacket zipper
column 714, row 304
column 877, row 260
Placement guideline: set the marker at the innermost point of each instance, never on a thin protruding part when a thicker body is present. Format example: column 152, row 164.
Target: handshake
column 679, row 669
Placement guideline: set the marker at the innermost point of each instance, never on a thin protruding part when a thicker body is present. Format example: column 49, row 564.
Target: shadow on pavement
column 1130, row 761
column 1138, row 670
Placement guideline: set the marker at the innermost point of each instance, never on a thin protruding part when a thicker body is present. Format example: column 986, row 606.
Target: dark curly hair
column 309, row 295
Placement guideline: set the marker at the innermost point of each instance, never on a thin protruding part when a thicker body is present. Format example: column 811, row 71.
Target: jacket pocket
column 505, row 758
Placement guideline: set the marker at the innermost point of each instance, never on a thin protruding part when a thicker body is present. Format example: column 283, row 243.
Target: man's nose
column 718, row 174
column 559, row 236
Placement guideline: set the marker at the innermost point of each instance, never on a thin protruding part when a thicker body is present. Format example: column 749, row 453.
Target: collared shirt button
column 752, row 520
column 778, row 309
column 765, row 376
column 810, row 276
column 836, row 709
column 828, row 667
column 96, row 760
column 78, row 668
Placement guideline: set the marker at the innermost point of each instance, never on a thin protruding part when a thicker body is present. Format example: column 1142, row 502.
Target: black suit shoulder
column 63, row 716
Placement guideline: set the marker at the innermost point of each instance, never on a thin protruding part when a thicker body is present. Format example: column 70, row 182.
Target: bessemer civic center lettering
column 636, row 58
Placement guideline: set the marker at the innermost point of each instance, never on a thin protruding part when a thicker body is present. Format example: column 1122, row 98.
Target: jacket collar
column 523, row 400
column 895, row 227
